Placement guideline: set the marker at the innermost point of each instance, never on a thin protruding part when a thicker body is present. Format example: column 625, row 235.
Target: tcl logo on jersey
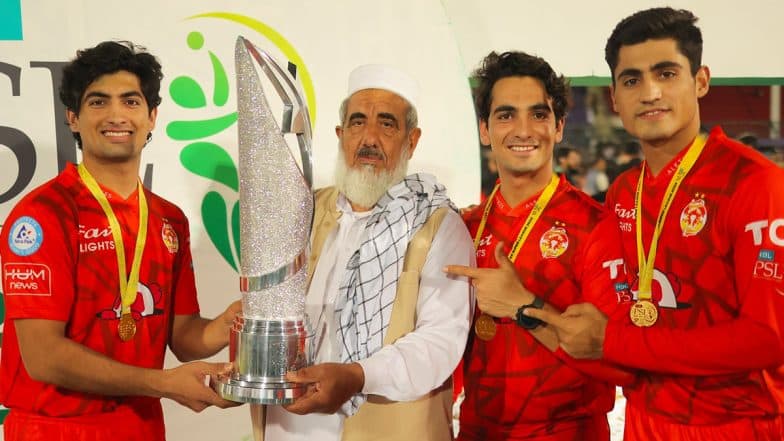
column 773, row 229
column 31, row 279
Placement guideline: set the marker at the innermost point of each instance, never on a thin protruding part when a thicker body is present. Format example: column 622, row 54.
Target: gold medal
column 644, row 313
column 127, row 327
column 485, row 327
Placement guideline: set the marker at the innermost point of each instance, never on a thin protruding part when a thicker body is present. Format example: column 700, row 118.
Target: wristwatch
column 527, row 322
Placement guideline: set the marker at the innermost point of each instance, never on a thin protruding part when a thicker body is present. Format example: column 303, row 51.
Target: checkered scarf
column 369, row 286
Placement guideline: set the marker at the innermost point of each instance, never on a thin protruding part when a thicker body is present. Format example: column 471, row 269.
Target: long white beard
column 362, row 186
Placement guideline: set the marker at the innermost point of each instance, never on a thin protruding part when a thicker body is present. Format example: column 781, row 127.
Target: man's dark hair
column 109, row 57
column 519, row 64
column 657, row 24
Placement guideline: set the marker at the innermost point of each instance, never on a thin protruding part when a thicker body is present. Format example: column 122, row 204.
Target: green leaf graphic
column 213, row 214
column 190, row 130
column 212, row 162
column 221, row 93
column 186, row 92
column 235, row 228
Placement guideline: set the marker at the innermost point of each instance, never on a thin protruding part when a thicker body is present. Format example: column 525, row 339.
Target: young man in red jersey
column 702, row 222
column 98, row 276
column 540, row 243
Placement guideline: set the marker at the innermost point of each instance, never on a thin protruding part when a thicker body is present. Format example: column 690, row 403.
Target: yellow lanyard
column 646, row 264
column 533, row 216
column 129, row 285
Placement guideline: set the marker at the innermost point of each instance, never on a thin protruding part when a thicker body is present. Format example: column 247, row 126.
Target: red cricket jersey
column 715, row 354
column 59, row 263
column 516, row 388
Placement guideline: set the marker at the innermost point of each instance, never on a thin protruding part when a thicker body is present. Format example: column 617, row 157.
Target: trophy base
column 258, row 393
column 262, row 352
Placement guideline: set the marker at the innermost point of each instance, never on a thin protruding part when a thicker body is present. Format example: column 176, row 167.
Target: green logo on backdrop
column 204, row 157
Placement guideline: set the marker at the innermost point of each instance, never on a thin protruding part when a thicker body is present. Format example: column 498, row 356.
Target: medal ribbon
column 646, row 264
column 533, row 216
column 128, row 282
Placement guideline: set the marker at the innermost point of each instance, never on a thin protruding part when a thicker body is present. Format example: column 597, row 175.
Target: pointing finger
column 460, row 270
column 546, row 316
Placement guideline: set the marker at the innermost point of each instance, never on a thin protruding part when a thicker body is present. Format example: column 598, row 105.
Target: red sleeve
column 185, row 301
column 601, row 274
column 37, row 251
column 751, row 341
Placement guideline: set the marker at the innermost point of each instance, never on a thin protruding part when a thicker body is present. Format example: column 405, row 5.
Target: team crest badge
column 554, row 241
column 694, row 216
column 170, row 238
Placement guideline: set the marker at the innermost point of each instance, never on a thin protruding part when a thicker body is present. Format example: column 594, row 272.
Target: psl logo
column 201, row 155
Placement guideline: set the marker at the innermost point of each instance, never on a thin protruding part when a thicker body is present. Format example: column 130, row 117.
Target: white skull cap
column 380, row 76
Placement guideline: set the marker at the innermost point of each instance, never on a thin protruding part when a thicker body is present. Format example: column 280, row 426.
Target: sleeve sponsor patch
column 32, row 279
column 25, row 236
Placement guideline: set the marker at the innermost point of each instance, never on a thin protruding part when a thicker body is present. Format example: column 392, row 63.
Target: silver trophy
column 271, row 336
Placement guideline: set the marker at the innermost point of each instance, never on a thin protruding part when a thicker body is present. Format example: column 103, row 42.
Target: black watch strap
column 527, row 322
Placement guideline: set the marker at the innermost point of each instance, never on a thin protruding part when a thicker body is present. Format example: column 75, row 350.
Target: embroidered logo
column 170, row 237
column 694, row 216
column 25, row 236
column 554, row 241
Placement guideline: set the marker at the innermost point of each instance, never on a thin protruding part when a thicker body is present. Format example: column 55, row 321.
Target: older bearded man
column 389, row 325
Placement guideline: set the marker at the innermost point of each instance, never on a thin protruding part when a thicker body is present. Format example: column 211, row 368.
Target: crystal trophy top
column 276, row 197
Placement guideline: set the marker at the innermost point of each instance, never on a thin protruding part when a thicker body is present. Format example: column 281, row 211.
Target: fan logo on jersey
column 481, row 247
column 26, row 236
column 554, row 241
column 93, row 239
column 694, row 216
column 170, row 237
column 144, row 305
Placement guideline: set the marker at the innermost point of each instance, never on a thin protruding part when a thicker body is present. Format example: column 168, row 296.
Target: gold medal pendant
column 644, row 313
column 127, row 327
column 485, row 327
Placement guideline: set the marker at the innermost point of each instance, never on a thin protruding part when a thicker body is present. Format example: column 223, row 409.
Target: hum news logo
column 202, row 154
column 27, row 279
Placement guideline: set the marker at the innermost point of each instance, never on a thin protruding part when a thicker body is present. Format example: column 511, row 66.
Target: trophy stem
column 263, row 351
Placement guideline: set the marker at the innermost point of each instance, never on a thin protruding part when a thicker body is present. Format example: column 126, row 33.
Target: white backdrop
column 439, row 42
